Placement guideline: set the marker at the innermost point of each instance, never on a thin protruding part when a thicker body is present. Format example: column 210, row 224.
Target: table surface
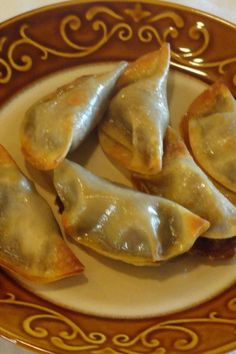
column 225, row 9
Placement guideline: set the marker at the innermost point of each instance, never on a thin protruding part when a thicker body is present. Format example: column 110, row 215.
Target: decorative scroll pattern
column 135, row 21
column 97, row 342
column 132, row 21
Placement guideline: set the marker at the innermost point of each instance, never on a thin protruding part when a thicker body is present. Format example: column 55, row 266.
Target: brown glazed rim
column 163, row 3
column 44, row 41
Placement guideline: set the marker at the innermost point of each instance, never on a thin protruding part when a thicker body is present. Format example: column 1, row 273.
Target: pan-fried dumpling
column 31, row 245
column 212, row 134
column 122, row 223
column 182, row 181
column 133, row 130
column 59, row 122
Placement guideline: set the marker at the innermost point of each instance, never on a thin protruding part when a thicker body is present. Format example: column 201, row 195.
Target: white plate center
column 111, row 288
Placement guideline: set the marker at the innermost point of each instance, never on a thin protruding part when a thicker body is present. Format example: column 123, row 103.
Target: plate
column 155, row 310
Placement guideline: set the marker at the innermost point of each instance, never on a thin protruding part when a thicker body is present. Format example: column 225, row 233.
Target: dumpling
column 122, row 223
column 212, row 134
column 59, row 122
column 182, row 181
column 133, row 130
column 31, row 245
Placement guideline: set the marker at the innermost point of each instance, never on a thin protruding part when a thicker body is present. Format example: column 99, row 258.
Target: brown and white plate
column 186, row 305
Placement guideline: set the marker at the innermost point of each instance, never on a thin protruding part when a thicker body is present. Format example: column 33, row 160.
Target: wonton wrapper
column 59, row 122
column 31, row 245
column 122, row 223
column 212, row 134
column 134, row 127
column 182, row 181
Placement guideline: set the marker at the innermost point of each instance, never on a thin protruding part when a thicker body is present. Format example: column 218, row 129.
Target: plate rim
column 154, row 2
column 75, row 2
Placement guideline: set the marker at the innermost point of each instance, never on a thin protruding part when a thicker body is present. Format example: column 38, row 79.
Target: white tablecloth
column 225, row 9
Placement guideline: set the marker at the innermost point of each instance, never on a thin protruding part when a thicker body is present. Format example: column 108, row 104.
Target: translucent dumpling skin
column 133, row 130
column 31, row 245
column 122, row 223
column 183, row 182
column 59, row 122
column 211, row 128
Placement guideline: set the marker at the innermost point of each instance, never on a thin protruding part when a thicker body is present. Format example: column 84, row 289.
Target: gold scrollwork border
column 122, row 26
column 98, row 343
column 135, row 19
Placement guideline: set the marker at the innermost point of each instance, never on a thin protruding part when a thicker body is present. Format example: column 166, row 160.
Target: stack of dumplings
column 31, row 244
column 176, row 202
column 133, row 130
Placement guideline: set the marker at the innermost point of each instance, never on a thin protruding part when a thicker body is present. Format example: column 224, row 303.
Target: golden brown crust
column 119, row 142
column 66, row 263
column 145, row 66
column 189, row 187
column 197, row 224
column 216, row 104
column 120, row 153
column 202, row 106
column 60, row 121
column 216, row 98
column 63, row 262
column 102, row 235
column 47, row 162
column 71, row 267
column 174, row 146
